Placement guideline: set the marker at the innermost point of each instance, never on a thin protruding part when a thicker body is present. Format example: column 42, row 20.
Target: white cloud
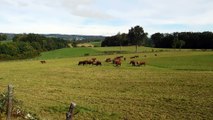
column 84, row 8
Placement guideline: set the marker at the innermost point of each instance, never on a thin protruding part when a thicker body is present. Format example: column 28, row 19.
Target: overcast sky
column 105, row 17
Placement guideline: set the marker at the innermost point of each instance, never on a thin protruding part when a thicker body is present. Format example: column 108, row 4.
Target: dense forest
column 28, row 46
column 192, row 40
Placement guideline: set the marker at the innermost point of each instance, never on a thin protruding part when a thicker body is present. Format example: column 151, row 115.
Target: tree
column 157, row 38
column 181, row 43
column 121, row 38
column 136, row 36
column 178, row 43
column 3, row 37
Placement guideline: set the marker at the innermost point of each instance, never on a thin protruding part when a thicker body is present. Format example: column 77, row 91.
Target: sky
column 105, row 17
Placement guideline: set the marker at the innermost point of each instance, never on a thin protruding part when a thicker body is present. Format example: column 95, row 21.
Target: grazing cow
column 97, row 63
column 134, row 63
column 141, row 63
column 93, row 59
column 117, row 62
column 119, row 57
column 89, row 62
column 136, row 56
column 108, row 60
column 116, row 59
column 83, row 62
column 124, row 59
column 43, row 61
column 156, row 55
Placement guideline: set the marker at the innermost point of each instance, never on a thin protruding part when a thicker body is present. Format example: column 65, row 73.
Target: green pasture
column 68, row 52
column 173, row 85
column 96, row 44
column 97, row 51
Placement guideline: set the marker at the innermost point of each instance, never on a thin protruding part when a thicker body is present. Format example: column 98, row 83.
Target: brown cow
column 83, row 62
column 108, row 60
column 134, row 63
column 136, row 56
column 90, row 62
column 97, row 63
column 117, row 62
column 139, row 63
column 116, row 59
column 93, row 59
column 43, row 61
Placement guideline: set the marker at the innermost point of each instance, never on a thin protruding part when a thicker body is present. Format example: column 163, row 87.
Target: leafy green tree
column 26, row 50
column 3, row 37
column 136, row 36
column 157, row 38
column 36, row 46
column 121, row 38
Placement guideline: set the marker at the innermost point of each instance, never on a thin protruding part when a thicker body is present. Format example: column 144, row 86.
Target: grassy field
column 97, row 51
column 173, row 85
column 96, row 44
column 68, row 52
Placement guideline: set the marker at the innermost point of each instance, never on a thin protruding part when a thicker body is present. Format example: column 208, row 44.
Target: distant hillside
column 65, row 36
column 75, row 37
column 10, row 35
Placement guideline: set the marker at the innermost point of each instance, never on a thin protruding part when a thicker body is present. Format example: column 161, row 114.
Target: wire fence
column 69, row 114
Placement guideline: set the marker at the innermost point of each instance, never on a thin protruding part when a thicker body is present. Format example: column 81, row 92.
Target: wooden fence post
column 69, row 114
column 9, row 103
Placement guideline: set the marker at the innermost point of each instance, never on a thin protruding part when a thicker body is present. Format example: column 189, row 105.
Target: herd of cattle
column 117, row 61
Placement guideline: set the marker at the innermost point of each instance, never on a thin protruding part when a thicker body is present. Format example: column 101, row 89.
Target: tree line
column 192, row 40
column 137, row 36
column 29, row 45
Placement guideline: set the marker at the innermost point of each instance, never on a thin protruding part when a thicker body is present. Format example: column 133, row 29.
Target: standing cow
column 139, row 63
column 117, row 62
column 83, row 62
column 43, row 61
column 134, row 63
column 97, row 63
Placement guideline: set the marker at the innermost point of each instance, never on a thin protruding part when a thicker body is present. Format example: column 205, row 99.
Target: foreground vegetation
column 173, row 85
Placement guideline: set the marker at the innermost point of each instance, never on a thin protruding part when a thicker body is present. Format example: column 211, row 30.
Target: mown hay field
column 172, row 85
